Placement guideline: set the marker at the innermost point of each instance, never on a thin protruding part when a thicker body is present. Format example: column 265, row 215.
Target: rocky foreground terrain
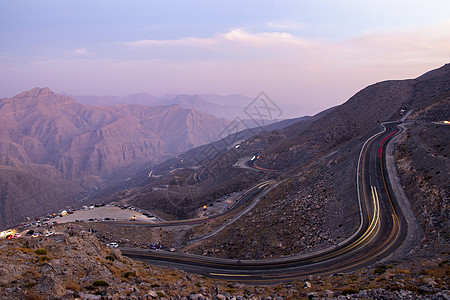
column 73, row 264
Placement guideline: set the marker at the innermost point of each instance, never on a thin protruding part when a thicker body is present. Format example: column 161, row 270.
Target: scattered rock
column 425, row 289
column 89, row 297
column 328, row 294
column 197, row 297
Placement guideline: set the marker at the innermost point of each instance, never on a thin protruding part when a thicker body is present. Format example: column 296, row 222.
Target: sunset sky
column 312, row 53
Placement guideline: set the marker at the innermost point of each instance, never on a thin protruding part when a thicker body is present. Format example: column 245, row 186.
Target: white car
column 112, row 245
column 49, row 233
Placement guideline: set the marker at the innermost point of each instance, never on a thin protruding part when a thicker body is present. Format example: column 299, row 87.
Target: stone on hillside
column 328, row 294
column 89, row 297
column 313, row 295
column 425, row 289
column 117, row 254
column 197, row 297
column 49, row 283
column 152, row 294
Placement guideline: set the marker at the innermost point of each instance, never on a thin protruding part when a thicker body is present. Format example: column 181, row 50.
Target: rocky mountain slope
column 25, row 194
column 73, row 264
column 317, row 205
column 52, row 137
column 423, row 162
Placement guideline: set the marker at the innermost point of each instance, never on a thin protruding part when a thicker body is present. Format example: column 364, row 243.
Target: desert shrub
column 101, row 293
column 161, row 294
column 382, row 269
column 129, row 274
column 379, row 271
column 350, row 291
column 31, row 284
column 110, row 257
column 424, row 272
column 277, row 288
column 100, row 283
column 395, row 287
column 73, row 286
column 24, row 250
column 44, row 259
column 40, row 251
column 31, row 274
column 443, row 263
column 33, row 297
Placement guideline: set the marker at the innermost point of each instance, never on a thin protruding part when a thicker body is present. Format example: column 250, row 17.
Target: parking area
column 104, row 213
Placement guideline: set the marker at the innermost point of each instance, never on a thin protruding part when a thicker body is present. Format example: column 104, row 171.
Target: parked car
column 112, row 245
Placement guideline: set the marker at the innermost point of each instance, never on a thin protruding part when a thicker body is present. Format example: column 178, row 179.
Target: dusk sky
column 315, row 54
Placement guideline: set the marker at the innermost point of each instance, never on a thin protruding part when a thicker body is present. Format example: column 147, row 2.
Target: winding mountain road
column 255, row 191
column 383, row 229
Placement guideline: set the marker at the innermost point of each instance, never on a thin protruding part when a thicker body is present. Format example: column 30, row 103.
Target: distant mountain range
column 42, row 127
column 55, row 151
column 228, row 107
column 50, row 141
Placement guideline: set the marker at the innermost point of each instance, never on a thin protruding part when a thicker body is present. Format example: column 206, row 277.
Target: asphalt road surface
column 244, row 199
column 383, row 229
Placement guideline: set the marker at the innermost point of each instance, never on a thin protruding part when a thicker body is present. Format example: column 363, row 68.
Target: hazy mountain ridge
column 43, row 127
column 88, row 144
column 229, row 107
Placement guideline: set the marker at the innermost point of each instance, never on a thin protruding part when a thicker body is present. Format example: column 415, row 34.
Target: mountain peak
column 36, row 92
